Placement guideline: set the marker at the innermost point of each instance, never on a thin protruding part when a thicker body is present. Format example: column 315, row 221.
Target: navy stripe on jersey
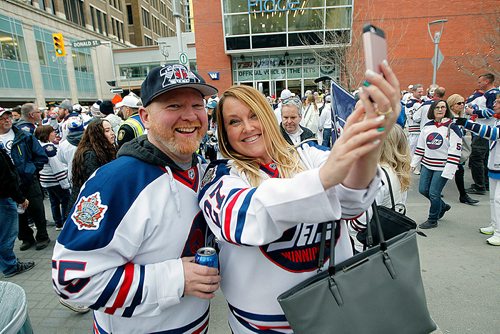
column 109, row 289
column 98, row 329
column 242, row 215
column 484, row 131
column 111, row 176
column 190, row 326
column 262, row 323
column 129, row 311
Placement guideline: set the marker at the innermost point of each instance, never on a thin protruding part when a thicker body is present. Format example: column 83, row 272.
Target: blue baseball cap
column 169, row 77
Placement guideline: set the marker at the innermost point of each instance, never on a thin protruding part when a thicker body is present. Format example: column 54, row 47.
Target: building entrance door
column 263, row 87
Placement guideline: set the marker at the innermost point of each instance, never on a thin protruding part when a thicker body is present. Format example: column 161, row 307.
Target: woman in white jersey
column 438, row 150
column 265, row 203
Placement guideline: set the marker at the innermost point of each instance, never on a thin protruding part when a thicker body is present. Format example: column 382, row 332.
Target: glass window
column 82, row 61
column 319, row 3
column 308, row 19
column 236, row 6
column 338, row 18
column 236, row 24
column 12, row 47
column 238, row 43
column 41, row 53
column 269, row 22
column 305, row 38
column 269, row 41
column 130, row 17
column 338, row 2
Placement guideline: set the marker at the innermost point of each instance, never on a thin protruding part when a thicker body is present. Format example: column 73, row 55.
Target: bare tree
column 344, row 48
column 475, row 62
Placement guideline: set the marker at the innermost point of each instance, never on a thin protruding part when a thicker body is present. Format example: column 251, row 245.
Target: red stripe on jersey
column 453, row 159
column 227, row 219
column 202, row 328
column 264, row 328
column 125, row 288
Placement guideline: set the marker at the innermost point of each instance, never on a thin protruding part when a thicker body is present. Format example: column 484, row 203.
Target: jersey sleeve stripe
column 228, row 214
column 124, row 289
column 110, row 288
column 129, row 311
column 242, row 214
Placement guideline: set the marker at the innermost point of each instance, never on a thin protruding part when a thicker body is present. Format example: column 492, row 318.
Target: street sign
column 440, row 58
column 116, row 90
column 183, row 58
column 86, row 43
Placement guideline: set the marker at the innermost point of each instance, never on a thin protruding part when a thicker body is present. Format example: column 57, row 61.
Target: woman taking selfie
column 438, row 150
column 264, row 204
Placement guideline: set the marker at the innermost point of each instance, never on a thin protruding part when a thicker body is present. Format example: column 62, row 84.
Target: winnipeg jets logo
column 434, row 141
column 175, row 74
column 191, row 174
column 89, row 212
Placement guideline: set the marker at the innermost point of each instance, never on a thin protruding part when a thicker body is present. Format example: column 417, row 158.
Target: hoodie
column 129, row 228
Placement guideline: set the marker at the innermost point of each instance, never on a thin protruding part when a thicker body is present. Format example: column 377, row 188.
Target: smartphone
column 375, row 47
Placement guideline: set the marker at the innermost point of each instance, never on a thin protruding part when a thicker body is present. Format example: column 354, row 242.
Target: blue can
column 207, row 256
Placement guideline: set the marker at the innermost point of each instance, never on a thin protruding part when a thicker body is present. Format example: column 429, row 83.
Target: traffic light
column 58, row 40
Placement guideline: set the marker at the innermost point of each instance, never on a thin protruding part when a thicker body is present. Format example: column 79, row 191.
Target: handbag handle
column 393, row 204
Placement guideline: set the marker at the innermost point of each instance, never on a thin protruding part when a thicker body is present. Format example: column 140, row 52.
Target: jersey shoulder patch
column 50, row 150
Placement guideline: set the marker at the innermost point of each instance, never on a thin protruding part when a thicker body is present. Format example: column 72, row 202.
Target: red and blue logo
column 434, row 141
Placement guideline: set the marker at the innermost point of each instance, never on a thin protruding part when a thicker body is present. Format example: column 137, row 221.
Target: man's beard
column 180, row 146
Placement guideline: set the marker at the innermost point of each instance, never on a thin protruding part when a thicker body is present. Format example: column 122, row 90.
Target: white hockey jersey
column 121, row 247
column 269, row 235
column 54, row 172
column 413, row 116
column 439, row 147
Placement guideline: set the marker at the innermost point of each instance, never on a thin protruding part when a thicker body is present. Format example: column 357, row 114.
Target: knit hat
column 75, row 122
column 169, row 77
column 212, row 104
column 285, row 94
column 106, row 107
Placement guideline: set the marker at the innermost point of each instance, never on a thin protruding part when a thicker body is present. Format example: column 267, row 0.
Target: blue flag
column 342, row 106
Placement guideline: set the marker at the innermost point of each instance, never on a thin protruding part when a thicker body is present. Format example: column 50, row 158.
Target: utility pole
column 435, row 39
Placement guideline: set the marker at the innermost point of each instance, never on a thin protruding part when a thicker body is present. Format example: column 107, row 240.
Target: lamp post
column 439, row 27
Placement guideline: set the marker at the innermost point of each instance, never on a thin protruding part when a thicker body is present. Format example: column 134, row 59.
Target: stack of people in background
column 52, row 151
column 438, row 134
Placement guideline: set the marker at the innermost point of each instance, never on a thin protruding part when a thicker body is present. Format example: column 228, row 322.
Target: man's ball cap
column 3, row 111
column 169, row 77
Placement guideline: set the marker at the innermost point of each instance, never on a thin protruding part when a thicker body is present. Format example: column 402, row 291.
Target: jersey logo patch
column 89, row 212
column 298, row 249
column 434, row 141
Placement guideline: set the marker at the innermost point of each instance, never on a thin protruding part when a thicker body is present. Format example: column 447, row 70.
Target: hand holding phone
column 375, row 47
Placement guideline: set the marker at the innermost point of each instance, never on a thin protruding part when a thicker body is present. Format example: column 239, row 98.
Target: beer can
column 207, row 256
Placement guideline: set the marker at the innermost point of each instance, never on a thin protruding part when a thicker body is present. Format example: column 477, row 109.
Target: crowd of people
column 133, row 208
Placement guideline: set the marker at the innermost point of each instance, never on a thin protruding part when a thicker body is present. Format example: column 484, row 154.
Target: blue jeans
column 8, row 233
column 59, row 199
column 431, row 185
column 327, row 136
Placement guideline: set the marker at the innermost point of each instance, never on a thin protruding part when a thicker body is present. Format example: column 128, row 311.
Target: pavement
column 460, row 272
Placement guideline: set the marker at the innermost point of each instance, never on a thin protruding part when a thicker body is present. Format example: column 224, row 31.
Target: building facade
column 273, row 44
column 31, row 71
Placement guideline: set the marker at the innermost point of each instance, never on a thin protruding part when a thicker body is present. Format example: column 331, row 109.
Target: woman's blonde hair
column 396, row 154
column 454, row 99
column 283, row 154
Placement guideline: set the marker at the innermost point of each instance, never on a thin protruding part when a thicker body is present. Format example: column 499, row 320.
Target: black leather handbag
column 394, row 221
column 377, row 291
